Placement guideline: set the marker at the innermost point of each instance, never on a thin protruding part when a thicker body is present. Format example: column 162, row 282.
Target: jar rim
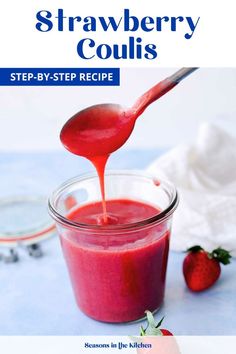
column 156, row 219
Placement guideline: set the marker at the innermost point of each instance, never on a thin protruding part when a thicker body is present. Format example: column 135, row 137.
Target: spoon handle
column 181, row 74
column 159, row 90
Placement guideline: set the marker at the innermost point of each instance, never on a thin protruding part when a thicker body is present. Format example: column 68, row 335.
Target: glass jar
column 117, row 271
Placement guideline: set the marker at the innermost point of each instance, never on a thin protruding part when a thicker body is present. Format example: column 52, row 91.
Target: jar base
column 124, row 322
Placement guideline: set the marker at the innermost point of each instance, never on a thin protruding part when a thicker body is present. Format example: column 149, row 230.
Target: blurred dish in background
column 24, row 222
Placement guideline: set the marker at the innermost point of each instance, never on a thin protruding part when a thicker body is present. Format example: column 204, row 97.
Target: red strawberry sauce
column 116, row 277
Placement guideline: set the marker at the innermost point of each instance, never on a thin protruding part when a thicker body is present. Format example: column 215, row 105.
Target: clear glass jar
column 117, row 271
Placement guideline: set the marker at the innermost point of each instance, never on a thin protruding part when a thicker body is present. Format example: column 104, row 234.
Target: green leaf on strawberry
column 194, row 249
column 153, row 328
column 221, row 255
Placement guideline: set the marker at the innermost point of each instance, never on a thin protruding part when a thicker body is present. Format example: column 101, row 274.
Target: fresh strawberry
column 156, row 339
column 153, row 328
column 202, row 269
column 165, row 332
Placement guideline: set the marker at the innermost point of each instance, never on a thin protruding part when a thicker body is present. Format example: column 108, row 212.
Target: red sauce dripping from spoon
column 99, row 130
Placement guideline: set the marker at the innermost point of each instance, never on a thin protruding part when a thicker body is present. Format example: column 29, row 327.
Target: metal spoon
column 101, row 129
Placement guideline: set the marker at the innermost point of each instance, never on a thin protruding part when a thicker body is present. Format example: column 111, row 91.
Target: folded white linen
column 205, row 175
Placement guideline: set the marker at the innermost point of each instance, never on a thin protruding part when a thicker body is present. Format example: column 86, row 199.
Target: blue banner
column 59, row 77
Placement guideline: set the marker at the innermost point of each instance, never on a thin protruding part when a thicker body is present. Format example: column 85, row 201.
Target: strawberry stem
column 160, row 322
column 142, row 331
column 152, row 328
column 195, row 249
column 221, row 255
column 218, row 254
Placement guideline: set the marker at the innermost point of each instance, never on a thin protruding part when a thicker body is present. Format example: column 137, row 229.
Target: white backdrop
column 31, row 117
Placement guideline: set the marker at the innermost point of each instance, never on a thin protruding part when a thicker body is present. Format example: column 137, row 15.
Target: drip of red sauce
column 95, row 133
column 99, row 130
column 99, row 163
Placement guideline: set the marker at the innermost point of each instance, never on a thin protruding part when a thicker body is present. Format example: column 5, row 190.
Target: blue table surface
column 35, row 294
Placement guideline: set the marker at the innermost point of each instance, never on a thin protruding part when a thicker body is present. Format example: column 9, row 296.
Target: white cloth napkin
column 205, row 176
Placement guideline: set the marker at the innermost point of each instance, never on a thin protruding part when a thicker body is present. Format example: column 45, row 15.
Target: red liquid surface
column 116, row 277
